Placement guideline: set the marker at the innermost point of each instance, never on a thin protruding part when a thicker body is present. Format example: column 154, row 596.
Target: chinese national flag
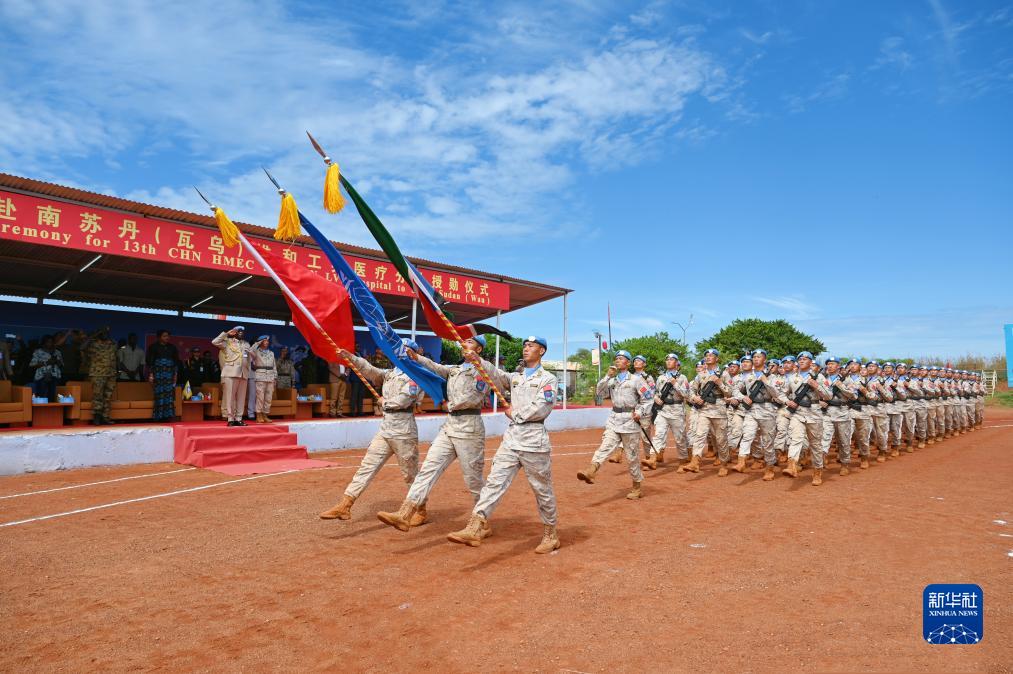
column 328, row 302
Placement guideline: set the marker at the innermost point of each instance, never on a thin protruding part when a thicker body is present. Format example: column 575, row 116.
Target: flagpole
column 302, row 308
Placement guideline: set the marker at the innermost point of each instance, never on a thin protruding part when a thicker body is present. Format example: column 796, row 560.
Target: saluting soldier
column 265, row 375
column 838, row 415
column 461, row 437
column 707, row 394
column 397, row 436
column 805, row 390
column 234, row 359
column 100, row 361
column 623, row 424
column 672, row 414
column 525, row 445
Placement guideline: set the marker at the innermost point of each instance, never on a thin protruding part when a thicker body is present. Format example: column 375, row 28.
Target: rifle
column 756, row 387
column 802, row 394
column 663, row 394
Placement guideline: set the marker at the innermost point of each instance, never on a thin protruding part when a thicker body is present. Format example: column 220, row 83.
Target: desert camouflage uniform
column 712, row 417
column 621, row 426
column 861, row 414
column 806, row 423
column 672, row 416
column 838, row 416
column 881, row 412
column 761, row 417
column 398, row 435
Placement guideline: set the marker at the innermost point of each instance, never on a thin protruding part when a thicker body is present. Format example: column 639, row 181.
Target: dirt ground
column 703, row 574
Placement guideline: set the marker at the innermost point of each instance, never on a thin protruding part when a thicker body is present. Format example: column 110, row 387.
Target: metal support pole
column 566, row 346
column 415, row 307
column 495, row 398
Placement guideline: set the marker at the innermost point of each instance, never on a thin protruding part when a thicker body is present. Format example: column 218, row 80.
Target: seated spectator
column 194, row 370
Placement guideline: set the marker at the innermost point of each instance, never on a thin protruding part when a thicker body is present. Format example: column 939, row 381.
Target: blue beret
column 887, row 364
column 712, row 350
column 625, row 354
column 828, row 360
column 641, row 358
column 745, row 358
column 873, row 362
column 854, row 360
column 480, row 339
column 238, row 328
column 788, row 359
column 263, row 337
column 540, row 341
column 763, row 351
column 774, row 361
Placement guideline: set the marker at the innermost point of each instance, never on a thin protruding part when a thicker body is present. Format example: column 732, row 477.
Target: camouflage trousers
column 610, row 440
column 921, row 423
column 664, row 425
column 881, row 431
column 734, row 434
column 844, row 427
column 406, row 450
column 760, row 422
column 538, row 469
column 716, row 426
column 805, row 428
column 470, row 452
column 910, row 424
column 781, row 426
column 102, row 389
column 863, row 432
column 896, row 428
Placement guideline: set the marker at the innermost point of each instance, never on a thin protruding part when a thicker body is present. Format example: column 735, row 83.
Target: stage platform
column 26, row 450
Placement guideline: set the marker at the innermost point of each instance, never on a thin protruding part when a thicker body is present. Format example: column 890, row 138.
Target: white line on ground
column 142, row 498
column 999, row 426
column 91, row 484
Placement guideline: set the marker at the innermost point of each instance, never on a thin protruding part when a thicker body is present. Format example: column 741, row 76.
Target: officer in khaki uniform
column 672, row 415
column 805, row 391
column 623, row 424
column 707, row 395
column 398, row 435
column 265, row 376
column 234, row 359
column 461, row 437
column 525, row 445
column 100, row 361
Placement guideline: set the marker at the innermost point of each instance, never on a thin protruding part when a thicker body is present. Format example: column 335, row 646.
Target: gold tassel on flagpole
column 333, row 199
column 228, row 229
column 288, row 219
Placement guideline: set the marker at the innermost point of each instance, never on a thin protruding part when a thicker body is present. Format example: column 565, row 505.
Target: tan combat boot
column 864, row 463
column 817, row 477
column 588, row 475
column 650, row 463
column 740, row 465
column 420, row 516
column 342, row 511
column 471, row 534
column 616, row 456
column 881, row 457
column 768, row 474
column 921, row 445
column 692, row 467
column 550, row 539
column 723, row 470
column 758, row 464
column 895, row 452
column 401, row 520
column 661, row 457
column 717, row 461
column 931, row 441
column 791, row 470
column 635, row 493
column 486, row 531
column 844, row 469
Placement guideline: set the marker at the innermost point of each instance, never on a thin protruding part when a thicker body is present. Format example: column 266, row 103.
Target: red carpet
column 243, row 450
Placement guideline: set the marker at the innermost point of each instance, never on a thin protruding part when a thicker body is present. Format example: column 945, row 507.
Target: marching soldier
column 785, row 367
column 264, row 375
column 861, row 410
column 938, row 417
column 672, row 414
column 462, row 437
column 895, row 410
column 805, row 390
column 909, row 386
column 738, row 371
column 623, row 425
column 979, row 400
column 707, row 395
column 234, row 359
column 525, row 445
column 838, row 415
column 646, row 388
column 759, row 396
column 100, row 360
column 881, row 410
column 921, row 406
column 398, row 435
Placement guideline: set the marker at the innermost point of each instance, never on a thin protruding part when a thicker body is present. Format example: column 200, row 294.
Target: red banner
column 49, row 222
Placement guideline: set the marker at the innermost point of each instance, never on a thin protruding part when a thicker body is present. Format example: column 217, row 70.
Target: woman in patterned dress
column 163, row 364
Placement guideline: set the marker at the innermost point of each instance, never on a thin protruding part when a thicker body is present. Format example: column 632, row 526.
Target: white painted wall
column 34, row 451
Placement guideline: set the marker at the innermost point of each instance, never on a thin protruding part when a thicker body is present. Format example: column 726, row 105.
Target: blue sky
column 846, row 166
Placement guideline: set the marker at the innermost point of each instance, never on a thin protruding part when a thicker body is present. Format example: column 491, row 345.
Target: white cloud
column 893, row 54
column 237, row 83
column 794, row 306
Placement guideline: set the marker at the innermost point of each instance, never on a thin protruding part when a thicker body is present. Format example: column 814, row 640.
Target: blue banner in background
column 1009, row 351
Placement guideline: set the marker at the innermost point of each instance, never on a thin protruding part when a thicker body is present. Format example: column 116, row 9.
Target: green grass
column 1001, row 398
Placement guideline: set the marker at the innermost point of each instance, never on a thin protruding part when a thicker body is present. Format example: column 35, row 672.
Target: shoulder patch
column 548, row 393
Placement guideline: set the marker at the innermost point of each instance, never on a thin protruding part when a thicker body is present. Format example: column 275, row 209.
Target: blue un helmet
column 763, row 351
column 745, row 358
column 672, row 355
column 788, row 359
column 540, row 341
column 642, row 359
column 716, row 353
column 805, row 354
column 774, row 361
column 625, row 354
column 827, row 360
column 480, row 340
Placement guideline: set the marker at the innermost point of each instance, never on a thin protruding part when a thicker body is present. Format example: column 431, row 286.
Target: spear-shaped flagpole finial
column 206, row 201
column 270, row 177
column 320, row 150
